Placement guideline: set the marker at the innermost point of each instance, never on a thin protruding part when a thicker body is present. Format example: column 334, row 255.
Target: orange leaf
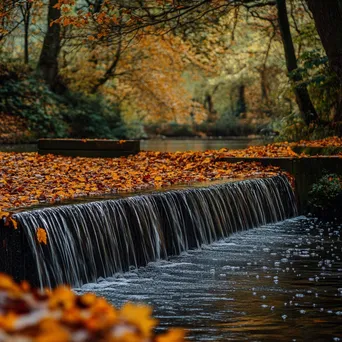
column 41, row 235
column 14, row 223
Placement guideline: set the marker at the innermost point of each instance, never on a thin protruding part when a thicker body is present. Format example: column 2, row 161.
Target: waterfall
column 97, row 239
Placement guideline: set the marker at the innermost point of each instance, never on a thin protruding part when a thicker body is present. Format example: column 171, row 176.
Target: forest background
column 136, row 69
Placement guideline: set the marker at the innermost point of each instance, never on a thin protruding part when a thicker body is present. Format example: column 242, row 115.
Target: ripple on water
column 252, row 286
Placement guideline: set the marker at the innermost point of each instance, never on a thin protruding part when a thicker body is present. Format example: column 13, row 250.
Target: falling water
column 87, row 241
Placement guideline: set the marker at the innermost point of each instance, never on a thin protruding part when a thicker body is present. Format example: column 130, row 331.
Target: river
column 166, row 145
column 280, row 282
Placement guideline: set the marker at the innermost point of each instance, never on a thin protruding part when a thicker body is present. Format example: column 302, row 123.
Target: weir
column 97, row 239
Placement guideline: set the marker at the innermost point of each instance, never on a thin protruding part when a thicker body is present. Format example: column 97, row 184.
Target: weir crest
column 98, row 239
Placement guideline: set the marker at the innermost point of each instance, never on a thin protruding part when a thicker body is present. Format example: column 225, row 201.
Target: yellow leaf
column 173, row 335
column 14, row 223
column 7, row 321
column 140, row 316
column 41, row 235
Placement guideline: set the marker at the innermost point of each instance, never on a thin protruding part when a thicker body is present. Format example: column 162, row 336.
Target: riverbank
column 29, row 179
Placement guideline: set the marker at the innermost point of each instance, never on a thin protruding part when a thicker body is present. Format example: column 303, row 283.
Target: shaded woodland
column 118, row 69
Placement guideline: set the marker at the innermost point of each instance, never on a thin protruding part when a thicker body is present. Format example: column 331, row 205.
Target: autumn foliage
column 326, row 142
column 29, row 179
column 284, row 149
column 61, row 316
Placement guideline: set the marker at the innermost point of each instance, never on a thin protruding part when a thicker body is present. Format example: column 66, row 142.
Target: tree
column 25, row 9
column 105, row 48
column 167, row 16
column 146, row 78
column 48, row 62
column 302, row 96
column 8, row 17
column 328, row 19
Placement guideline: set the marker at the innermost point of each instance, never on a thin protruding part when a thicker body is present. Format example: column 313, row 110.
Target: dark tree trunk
column 241, row 106
column 263, row 85
column 26, row 38
column 303, row 100
column 328, row 19
column 208, row 103
column 97, row 6
column 25, row 9
column 110, row 72
column 48, row 61
column 338, row 110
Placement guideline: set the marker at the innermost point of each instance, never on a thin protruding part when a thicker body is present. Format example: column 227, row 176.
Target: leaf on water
column 173, row 335
column 41, row 235
column 13, row 222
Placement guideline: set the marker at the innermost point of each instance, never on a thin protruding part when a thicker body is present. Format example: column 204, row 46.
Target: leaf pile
column 29, row 179
column 29, row 315
column 326, row 142
column 271, row 150
column 283, row 149
column 13, row 129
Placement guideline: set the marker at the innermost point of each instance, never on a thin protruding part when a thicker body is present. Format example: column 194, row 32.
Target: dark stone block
column 88, row 148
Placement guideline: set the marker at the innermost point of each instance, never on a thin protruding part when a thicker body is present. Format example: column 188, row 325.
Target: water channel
column 166, row 145
column 280, row 282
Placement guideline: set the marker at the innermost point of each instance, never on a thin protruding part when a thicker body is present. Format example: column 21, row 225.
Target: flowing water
column 280, row 282
column 86, row 241
column 202, row 269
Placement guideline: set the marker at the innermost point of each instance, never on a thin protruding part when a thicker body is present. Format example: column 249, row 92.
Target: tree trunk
column 25, row 9
column 97, row 6
column 338, row 110
column 328, row 19
column 303, row 100
column 208, row 103
column 241, row 106
column 26, row 37
column 110, row 72
column 263, row 85
column 48, row 61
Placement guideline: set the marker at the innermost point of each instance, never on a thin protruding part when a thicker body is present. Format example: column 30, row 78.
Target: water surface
column 181, row 145
column 280, row 282
column 165, row 145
